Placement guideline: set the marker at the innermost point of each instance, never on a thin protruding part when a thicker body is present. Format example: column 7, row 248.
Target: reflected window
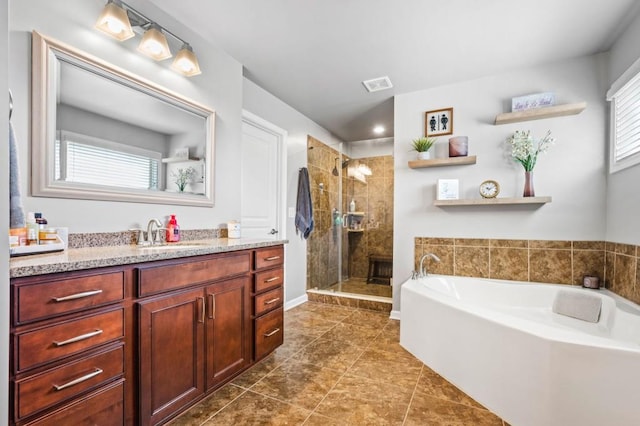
column 88, row 160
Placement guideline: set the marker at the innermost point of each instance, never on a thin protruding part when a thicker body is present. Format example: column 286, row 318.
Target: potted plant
column 422, row 146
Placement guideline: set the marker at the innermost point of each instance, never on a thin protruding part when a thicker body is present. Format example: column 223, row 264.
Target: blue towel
column 16, row 213
column 304, row 209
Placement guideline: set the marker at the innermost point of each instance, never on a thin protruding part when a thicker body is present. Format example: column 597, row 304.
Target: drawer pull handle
column 78, row 380
column 76, row 296
column 269, row 259
column 277, row 330
column 272, row 301
column 272, row 279
column 78, row 338
column 202, row 310
column 212, row 306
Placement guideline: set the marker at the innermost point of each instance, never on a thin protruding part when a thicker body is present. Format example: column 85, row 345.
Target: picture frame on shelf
column 448, row 189
column 438, row 122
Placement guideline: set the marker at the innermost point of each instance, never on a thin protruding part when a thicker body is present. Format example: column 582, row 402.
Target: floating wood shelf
column 540, row 113
column 179, row 160
column 493, row 201
column 355, row 213
column 351, row 231
column 440, row 162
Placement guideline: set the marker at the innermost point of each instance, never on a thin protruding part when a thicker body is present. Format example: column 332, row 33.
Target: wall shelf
column 540, row 113
column 180, row 160
column 440, row 162
column 352, row 231
column 493, row 201
column 355, row 213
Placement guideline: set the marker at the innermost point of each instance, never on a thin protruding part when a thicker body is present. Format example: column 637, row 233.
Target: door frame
column 281, row 136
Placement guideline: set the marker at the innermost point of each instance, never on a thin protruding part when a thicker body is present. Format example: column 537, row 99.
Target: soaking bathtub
column 500, row 343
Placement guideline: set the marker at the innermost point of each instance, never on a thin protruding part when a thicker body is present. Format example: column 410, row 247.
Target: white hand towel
column 579, row 305
column 16, row 212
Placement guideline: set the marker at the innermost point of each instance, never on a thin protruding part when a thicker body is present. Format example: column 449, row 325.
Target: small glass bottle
column 32, row 229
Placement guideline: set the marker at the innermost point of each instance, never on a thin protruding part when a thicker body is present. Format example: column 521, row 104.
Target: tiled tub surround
column 545, row 261
column 97, row 250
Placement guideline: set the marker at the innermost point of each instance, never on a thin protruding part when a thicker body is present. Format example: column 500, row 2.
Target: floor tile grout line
column 413, row 394
column 226, row 405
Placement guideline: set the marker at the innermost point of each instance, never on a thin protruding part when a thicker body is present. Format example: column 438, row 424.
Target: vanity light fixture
column 119, row 20
column 114, row 21
column 186, row 62
column 154, row 44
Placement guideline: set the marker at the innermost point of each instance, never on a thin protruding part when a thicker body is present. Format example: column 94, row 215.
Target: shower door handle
column 344, row 220
column 273, row 231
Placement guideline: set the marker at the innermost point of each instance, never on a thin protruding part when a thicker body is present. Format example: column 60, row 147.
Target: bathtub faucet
column 423, row 271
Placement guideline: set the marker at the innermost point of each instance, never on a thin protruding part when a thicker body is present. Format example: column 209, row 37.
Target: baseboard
column 295, row 302
column 394, row 315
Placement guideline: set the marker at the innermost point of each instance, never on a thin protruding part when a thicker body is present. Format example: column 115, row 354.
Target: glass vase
column 528, row 185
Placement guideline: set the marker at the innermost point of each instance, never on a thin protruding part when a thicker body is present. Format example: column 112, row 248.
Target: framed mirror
column 102, row 133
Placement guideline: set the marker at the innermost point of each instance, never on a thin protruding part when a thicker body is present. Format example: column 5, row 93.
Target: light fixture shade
column 186, row 62
column 114, row 22
column 154, row 44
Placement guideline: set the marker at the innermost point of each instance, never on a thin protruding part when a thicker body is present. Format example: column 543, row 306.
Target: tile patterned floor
column 338, row 366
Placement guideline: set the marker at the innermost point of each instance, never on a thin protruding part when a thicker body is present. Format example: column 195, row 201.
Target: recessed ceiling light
column 376, row 84
column 378, row 129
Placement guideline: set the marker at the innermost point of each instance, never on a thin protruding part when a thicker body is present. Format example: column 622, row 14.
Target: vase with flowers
column 525, row 150
column 182, row 177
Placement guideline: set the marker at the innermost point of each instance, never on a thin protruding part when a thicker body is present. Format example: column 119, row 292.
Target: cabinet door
column 171, row 354
column 228, row 329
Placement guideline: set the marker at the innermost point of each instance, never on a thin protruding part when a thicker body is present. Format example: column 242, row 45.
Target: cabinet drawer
column 51, row 343
column 268, row 301
column 104, row 408
column 157, row 279
column 269, row 332
column 269, row 257
column 269, row 279
column 64, row 383
column 59, row 297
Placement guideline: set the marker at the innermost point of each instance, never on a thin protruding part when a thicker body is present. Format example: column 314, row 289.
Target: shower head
column 345, row 163
column 335, row 167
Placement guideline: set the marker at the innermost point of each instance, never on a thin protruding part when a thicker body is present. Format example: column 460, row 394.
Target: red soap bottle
column 173, row 230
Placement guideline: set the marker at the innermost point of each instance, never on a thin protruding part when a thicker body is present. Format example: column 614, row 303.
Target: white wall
column 4, row 219
column 219, row 87
column 573, row 172
column 623, row 196
column 266, row 106
column 370, row 148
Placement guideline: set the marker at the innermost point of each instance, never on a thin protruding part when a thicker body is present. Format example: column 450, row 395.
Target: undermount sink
column 163, row 247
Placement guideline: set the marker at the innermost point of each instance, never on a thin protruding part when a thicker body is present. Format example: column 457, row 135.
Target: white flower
column 525, row 151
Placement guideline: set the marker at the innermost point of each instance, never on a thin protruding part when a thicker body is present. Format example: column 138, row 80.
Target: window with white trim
column 88, row 160
column 625, row 121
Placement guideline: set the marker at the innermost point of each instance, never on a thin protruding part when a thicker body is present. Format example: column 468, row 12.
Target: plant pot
column 424, row 155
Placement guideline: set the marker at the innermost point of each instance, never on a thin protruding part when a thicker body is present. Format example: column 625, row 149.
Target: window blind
column 90, row 164
column 626, row 125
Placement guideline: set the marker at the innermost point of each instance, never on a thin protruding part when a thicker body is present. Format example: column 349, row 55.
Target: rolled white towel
column 579, row 305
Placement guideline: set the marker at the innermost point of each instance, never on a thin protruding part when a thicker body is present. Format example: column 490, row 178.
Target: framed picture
column 438, row 122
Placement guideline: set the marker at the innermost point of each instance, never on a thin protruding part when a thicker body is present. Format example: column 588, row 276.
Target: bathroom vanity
column 142, row 339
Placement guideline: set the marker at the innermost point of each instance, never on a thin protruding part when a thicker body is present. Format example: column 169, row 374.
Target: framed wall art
column 438, row 122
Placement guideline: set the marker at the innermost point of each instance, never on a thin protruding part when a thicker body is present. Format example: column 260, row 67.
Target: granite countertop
column 75, row 259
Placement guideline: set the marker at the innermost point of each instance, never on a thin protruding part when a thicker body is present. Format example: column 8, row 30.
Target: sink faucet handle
column 138, row 232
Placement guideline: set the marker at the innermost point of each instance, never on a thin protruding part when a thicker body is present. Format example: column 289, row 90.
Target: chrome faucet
column 423, row 271
column 152, row 235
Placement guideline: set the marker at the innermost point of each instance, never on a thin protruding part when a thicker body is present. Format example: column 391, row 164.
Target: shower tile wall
column 375, row 198
column 322, row 245
column 557, row 262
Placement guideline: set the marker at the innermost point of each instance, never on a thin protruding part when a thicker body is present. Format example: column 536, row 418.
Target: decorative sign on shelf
column 438, row 122
column 536, row 100
column 448, row 189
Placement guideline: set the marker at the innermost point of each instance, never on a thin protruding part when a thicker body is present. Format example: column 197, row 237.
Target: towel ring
column 10, row 104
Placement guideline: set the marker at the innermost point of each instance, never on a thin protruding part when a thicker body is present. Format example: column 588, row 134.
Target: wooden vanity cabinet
column 192, row 341
column 268, row 300
column 70, row 348
column 141, row 343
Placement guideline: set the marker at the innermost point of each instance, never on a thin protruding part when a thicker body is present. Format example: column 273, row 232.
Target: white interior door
column 261, row 173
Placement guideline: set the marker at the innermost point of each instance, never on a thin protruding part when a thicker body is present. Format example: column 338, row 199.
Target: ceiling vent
column 377, row 84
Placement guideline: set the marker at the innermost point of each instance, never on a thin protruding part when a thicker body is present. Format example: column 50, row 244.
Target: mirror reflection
column 107, row 134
